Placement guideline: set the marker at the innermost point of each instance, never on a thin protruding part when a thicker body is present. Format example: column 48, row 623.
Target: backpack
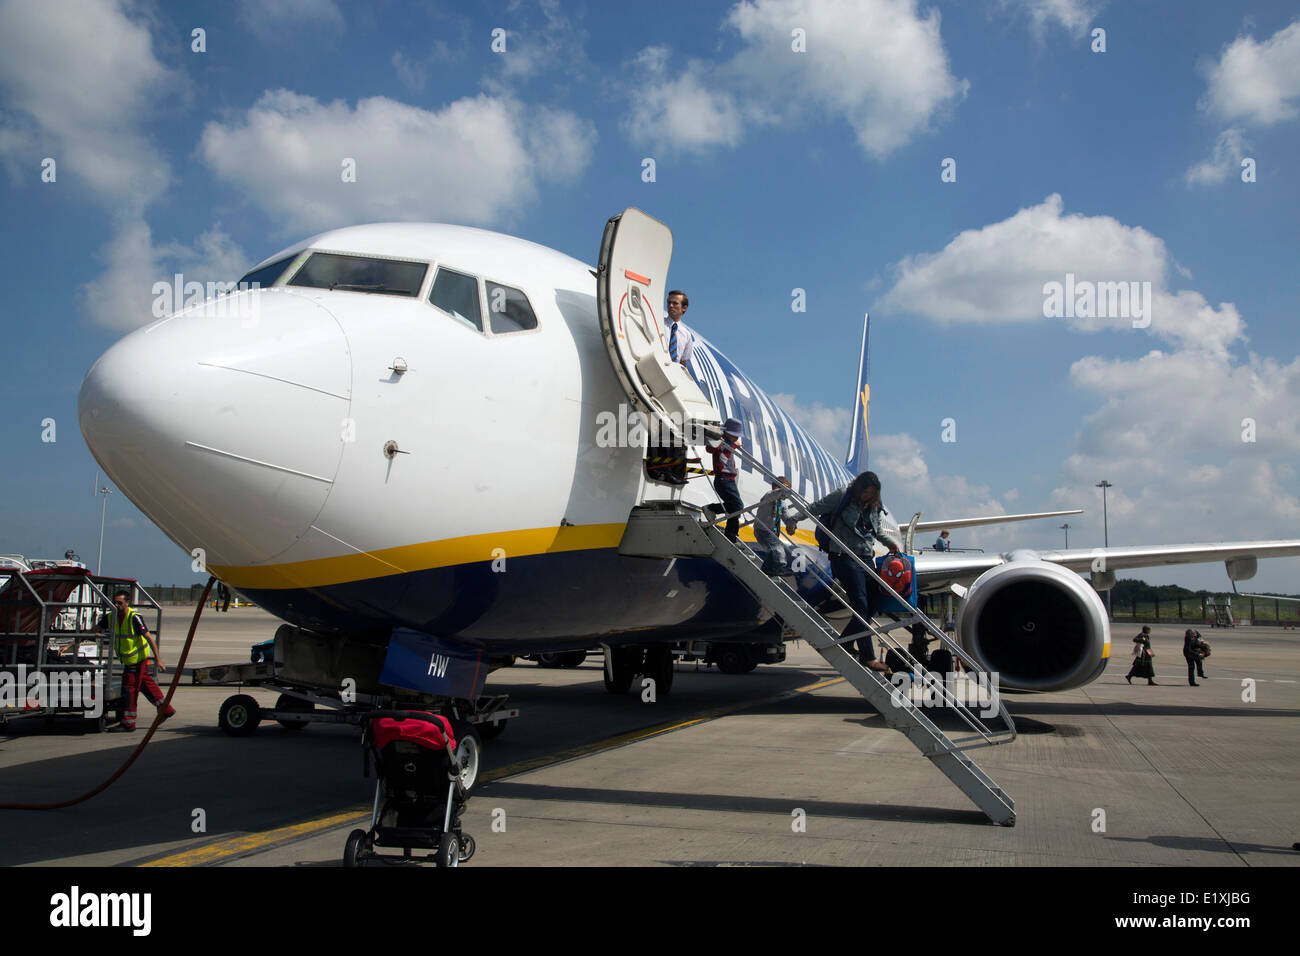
column 823, row 540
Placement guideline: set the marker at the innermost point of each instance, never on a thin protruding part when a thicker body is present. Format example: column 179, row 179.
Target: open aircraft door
column 631, row 279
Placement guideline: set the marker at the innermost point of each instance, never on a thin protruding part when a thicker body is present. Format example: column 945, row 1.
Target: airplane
column 405, row 432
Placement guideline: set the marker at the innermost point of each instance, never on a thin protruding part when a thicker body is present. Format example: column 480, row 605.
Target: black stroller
column 419, row 795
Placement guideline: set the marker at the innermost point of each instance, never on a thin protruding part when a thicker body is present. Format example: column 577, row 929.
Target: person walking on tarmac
column 135, row 648
column 858, row 518
column 1192, row 654
column 1142, row 666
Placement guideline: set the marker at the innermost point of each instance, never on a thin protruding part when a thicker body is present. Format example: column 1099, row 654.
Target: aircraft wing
column 951, row 523
column 936, row 570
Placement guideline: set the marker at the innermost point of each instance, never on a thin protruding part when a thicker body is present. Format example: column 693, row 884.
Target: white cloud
column 122, row 297
column 998, row 273
column 475, row 161
column 266, row 18
column 81, row 77
column 1071, row 15
column 679, row 112
column 1169, row 436
column 558, row 44
column 412, row 73
column 907, row 486
column 875, row 64
column 1257, row 83
column 830, row 426
column 1252, row 84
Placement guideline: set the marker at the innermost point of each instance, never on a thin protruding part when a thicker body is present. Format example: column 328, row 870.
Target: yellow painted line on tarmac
column 254, row 842
column 236, row 846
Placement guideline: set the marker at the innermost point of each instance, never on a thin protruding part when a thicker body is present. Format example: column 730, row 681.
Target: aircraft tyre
column 621, row 665
column 469, row 752
column 659, row 668
column 296, row 706
column 239, row 715
column 572, row 658
column 735, row 659
column 357, row 849
column 940, row 661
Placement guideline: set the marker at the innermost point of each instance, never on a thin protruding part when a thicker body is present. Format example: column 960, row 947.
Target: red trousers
column 137, row 678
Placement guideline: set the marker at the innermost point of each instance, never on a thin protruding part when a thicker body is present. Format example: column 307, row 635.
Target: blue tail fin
column 855, row 460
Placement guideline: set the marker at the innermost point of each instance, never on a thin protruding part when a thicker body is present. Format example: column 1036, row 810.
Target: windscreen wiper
column 354, row 287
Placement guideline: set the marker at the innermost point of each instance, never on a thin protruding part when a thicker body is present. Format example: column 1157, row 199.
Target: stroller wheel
column 466, row 847
column 357, row 849
column 469, row 749
column 448, row 850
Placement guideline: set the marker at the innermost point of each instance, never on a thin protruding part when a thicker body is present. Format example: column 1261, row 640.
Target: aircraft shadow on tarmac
column 278, row 779
column 1123, row 708
column 731, row 803
column 1206, row 845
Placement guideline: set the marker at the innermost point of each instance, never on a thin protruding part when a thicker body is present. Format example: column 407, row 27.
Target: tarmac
column 786, row 765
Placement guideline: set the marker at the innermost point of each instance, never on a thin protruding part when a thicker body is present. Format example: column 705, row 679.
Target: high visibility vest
column 130, row 648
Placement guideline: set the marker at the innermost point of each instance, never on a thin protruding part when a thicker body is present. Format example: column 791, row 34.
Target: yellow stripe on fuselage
column 427, row 555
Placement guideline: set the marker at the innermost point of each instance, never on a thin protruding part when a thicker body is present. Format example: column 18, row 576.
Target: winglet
column 855, row 459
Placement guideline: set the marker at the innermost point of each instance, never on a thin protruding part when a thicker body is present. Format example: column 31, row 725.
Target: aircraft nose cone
column 224, row 423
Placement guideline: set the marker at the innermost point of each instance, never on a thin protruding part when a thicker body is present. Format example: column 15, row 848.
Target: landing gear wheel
column 469, row 752
column 549, row 659
column 467, row 847
column 940, row 662
column 294, row 705
column 448, row 850
column 659, row 668
column 734, row 659
column 572, row 658
column 239, row 715
column 621, row 665
column 357, row 849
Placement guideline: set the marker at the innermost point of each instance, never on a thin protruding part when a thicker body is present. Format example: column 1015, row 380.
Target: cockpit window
column 265, row 277
column 508, row 309
column 328, row 270
column 457, row 295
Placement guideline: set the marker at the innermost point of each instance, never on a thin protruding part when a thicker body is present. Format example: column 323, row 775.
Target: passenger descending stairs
column 675, row 529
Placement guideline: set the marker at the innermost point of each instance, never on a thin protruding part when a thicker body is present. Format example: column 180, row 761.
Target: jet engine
column 1036, row 625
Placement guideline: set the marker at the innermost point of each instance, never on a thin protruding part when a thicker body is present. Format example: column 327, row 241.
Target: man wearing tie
column 671, row 466
column 680, row 341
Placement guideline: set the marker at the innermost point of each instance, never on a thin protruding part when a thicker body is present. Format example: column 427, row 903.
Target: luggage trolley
column 50, row 650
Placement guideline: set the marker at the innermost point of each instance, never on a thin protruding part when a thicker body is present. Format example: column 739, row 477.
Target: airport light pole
column 1105, row 530
column 1066, row 528
column 103, row 506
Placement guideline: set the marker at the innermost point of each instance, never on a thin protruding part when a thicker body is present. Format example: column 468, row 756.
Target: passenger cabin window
column 328, row 270
column 508, row 309
column 265, row 277
column 457, row 295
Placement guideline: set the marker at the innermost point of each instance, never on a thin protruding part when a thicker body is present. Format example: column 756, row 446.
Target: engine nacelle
column 1036, row 625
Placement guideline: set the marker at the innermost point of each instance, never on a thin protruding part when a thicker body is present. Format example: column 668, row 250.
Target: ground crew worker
column 135, row 648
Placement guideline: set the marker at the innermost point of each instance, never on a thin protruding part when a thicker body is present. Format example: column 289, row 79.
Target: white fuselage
column 476, row 494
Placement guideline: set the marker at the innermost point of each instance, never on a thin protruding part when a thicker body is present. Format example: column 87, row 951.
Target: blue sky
column 796, row 145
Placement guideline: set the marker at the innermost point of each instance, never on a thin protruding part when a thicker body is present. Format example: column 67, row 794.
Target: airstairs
column 676, row 529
